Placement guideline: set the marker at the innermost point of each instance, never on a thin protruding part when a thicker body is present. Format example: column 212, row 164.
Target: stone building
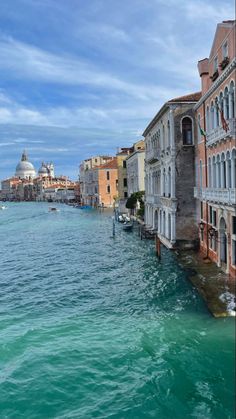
column 216, row 150
column 169, row 173
column 135, row 168
column 88, row 179
column 121, row 156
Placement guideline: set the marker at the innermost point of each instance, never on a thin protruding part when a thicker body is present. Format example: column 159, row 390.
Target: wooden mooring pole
column 158, row 246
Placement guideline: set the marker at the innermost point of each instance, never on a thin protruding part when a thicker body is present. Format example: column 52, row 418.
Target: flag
column 202, row 130
column 225, row 126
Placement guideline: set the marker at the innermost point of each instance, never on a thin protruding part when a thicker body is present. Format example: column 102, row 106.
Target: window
column 125, row 182
column 210, row 214
column 214, row 218
column 108, row 175
column 199, row 127
column 108, row 189
column 234, row 252
column 233, row 224
column 124, row 164
column 201, row 210
column 187, row 131
column 96, row 160
column 225, row 50
column 215, row 64
column 126, row 194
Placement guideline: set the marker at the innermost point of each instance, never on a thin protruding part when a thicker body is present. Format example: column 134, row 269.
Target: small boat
column 53, row 209
column 2, row 207
column 127, row 226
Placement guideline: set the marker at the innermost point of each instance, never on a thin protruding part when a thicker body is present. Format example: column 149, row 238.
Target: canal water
column 95, row 327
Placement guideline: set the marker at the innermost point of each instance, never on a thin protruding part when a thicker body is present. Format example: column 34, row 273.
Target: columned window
column 212, row 116
column 209, row 173
column 233, row 168
column 214, row 172
column 218, row 172
column 223, row 171
column 228, row 171
column 226, row 103
column 231, row 100
column 207, row 121
column 217, row 121
column 168, row 134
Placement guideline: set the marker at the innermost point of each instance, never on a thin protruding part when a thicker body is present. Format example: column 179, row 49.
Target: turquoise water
column 96, row 327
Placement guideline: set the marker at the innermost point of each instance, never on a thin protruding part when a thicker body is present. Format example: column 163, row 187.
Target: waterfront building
column 216, row 151
column 121, row 156
column 88, row 179
column 135, row 168
column 169, row 173
column 25, row 169
column 9, row 188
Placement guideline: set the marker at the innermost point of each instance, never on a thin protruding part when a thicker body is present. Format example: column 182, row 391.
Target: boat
column 128, row 226
column 53, row 209
column 2, row 207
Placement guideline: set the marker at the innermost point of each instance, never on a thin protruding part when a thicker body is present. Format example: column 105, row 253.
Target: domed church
column 25, row 169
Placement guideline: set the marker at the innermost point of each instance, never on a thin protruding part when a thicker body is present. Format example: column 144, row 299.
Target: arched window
column 217, row 120
column 226, row 103
column 209, row 173
column 199, row 136
column 214, row 172
column 223, row 171
column 163, row 137
column 212, row 116
column 231, row 100
column 187, row 131
column 207, row 121
column 218, row 172
column 168, row 134
column 169, row 182
column 228, row 171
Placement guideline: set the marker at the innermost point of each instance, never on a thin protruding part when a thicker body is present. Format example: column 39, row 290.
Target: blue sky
column 83, row 77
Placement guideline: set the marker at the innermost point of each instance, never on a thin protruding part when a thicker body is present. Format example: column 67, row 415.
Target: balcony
column 219, row 133
column 153, row 199
column 152, row 156
column 218, row 195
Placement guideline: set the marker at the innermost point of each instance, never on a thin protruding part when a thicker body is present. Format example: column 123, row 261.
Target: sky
column 83, row 77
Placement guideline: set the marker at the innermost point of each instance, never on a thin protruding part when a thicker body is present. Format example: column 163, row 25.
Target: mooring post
column 158, row 246
column 113, row 227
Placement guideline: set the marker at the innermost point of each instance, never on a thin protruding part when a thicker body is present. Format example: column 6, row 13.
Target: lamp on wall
column 201, row 225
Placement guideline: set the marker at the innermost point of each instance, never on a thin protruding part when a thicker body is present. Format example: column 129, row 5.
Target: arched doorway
column 223, row 242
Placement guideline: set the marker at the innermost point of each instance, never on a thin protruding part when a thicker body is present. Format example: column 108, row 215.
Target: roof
column 190, row 98
column 110, row 165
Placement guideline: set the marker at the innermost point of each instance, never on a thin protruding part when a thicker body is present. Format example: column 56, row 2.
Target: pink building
column 216, row 151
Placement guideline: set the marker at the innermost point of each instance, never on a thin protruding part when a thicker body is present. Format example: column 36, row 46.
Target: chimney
column 203, row 69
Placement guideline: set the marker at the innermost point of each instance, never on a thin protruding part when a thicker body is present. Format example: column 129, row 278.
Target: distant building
column 46, row 169
column 88, row 178
column 216, row 150
column 135, row 168
column 98, row 181
column 169, row 173
column 25, row 169
column 121, row 156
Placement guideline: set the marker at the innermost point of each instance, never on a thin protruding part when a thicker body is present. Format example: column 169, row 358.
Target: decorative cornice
column 217, row 83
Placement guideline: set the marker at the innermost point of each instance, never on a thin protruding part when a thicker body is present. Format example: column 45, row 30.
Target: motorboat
column 128, row 226
column 53, row 209
column 3, row 207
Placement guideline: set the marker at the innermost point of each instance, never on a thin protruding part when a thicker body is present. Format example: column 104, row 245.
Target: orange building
column 107, row 183
column 216, row 151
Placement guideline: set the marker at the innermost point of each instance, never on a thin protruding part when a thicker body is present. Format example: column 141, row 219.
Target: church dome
column 43, row 171
column 25, row 169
